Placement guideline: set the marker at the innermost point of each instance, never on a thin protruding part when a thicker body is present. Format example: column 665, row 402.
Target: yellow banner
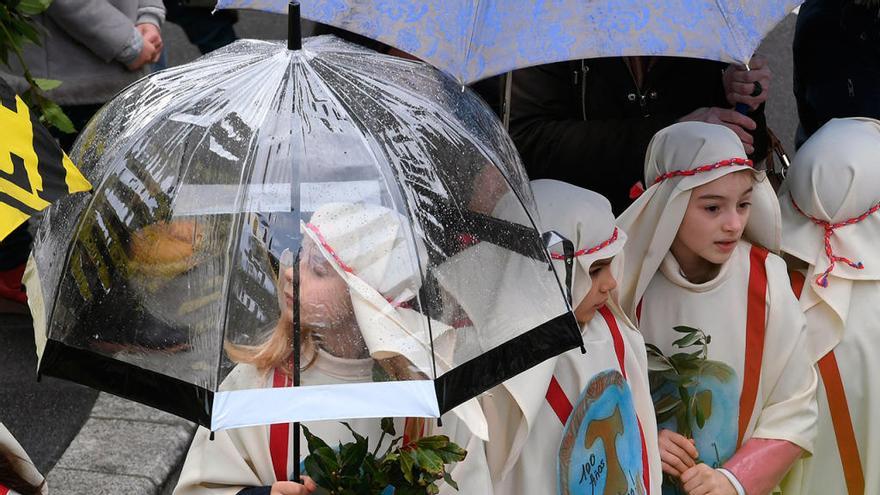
column 34, row 171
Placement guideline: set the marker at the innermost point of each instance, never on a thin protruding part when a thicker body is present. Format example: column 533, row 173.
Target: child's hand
column 703, row 480
column 291, row 488
column 677, row 453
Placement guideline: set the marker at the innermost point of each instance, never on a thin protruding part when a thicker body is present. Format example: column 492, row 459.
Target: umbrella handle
column 742, row 107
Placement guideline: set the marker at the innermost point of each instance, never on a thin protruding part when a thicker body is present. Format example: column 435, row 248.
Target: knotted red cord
column 704, row 168
column 591, row 250
column 829, row 227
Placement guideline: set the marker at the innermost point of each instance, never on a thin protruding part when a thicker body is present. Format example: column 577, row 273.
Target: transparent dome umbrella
column 324, row 217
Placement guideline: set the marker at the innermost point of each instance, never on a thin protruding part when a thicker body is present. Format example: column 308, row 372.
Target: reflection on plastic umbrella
column 261, row 195
column 473, row 40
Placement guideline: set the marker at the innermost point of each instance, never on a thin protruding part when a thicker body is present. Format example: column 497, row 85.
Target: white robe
column 785, row 407
column 855, row 356
column 530, row 447
column 240, row 458
column 21, row 463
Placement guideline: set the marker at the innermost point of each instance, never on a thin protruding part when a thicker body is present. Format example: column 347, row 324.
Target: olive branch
column 683, row 370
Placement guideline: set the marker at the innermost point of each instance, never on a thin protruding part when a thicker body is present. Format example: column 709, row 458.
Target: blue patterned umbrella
column 473, row 39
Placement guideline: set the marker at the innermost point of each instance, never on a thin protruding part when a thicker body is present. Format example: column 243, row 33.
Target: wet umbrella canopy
column 331, row 194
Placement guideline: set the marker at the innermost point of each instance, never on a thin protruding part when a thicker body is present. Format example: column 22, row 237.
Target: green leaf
column 449, row 481
column 703, row 406
column 53, row 115
column 429, row 461
column 33, row 7
column 685, row 329
column 357, row 437
column 452, row 453
column 687, row 340
column 351, row 456
column 407, row 460
column 25, row 28
column 47, row 84
column 653, row 349
column 434, row 442
column 667, row 403
column 328, row 460
column 313, row 469
column 698, row 414
column 655, row 364
column 313, row 441
column 388, row 426
column 663, row 417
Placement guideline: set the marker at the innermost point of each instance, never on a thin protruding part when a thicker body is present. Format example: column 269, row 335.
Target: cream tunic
column 785, row 407
column 537, row 446
column 856, row 360
column 240, row 457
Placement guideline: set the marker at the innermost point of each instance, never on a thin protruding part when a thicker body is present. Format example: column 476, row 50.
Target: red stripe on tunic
column 845, row 436
column 847, row 446
column 279, row 436
column 620, row 350
column 3, row 490
column 558, row 401
column 756, row 326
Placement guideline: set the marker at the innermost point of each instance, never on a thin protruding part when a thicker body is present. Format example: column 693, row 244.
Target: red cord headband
column 345, row 267
column 591, row 250
column 637, row 189
column 704, row 168
column 328, row 248
column 829, row 227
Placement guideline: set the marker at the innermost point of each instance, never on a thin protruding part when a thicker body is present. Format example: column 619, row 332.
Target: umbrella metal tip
column 294, row 27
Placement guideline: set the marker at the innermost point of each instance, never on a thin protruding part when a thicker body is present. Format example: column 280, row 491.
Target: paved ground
column 44, row 416
column 127, row 448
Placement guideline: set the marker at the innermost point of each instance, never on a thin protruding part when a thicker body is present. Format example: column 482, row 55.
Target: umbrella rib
column 470, row 43
column 370, row 147
column 743, row 48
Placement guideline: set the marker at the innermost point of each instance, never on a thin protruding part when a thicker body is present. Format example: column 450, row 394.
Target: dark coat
column 587, row 123
column 836, row 63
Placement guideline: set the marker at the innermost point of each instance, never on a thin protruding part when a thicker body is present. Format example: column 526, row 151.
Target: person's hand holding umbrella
column 749, row 86
column 728, row 117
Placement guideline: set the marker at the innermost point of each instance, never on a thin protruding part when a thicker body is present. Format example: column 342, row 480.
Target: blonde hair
column 275, row 352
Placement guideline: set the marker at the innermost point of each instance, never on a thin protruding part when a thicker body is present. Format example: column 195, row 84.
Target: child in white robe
column 356, row 274
column 831, row 227
column 18, row 475
column 698, row 257
column 580, row 422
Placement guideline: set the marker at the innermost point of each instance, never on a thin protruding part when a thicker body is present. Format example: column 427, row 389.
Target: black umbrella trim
column 125, row 380
column 507, row 360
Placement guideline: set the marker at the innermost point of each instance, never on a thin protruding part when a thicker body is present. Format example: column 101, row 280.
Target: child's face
column 714, row 222
column 324, row 300
column 600, row 291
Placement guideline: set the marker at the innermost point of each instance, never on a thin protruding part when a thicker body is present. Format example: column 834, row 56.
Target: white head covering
column 680, row 158
column 834, row 181
column 586, row 219
column 372, row 249
column 381, row 260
